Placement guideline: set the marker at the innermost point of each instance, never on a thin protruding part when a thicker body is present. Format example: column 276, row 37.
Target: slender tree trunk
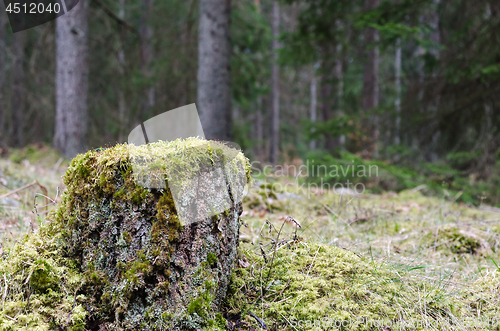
column 327, row 105
column 275, row 89
column 122, row 103
column 313, row 107
column 146, row 33
column 259, row 132
column 370, row 79
column 338, row 74
column 435, row 38
column 18, row 91
column 214, row 59
column 3, row 74
column 72, row 81
column 397, row 101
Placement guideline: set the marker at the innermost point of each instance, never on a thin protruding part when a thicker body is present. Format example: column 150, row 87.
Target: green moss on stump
column 115, row 255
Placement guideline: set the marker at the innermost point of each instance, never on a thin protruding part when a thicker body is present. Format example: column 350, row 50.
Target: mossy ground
column 407, row 261
column 364, row 262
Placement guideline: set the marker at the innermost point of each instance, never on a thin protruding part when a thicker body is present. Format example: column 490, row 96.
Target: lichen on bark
column 130, row 259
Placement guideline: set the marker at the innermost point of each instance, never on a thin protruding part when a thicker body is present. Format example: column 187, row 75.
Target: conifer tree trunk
column 259, row 131
column 339, row 76
column 72, row 81
column 397, row 101
column 327, row 105
column 435, row 38
column 17, row 104
column 313, row 106
column 214, row 57
column 370, row 79
column 146, row 33
column 275, row 89
column 122, row 104
column 3, row 73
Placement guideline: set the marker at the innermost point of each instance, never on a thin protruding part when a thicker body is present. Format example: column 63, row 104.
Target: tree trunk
column 370, row 79
column 72, row 81
column 3, row 74
column 327, row 101
column 18, row 91
column 435, row 38
column 313, row 107
column 146, row 33
column 397, row 101
column 122, row 104
column 338, row 74
column 214, row 60
column 259, row 132
column 275, row 89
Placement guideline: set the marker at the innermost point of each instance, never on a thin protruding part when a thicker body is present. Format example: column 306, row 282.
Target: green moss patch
column 320, row 287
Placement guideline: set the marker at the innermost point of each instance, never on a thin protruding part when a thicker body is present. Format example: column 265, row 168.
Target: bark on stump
column 154, row 233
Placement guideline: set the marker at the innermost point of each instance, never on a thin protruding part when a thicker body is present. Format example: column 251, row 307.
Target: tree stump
column 154, row 229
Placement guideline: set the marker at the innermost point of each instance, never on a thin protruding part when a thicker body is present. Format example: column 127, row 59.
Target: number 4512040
column 33, row 8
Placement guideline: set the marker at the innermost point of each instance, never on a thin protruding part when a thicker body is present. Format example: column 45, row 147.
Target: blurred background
column 412, row 86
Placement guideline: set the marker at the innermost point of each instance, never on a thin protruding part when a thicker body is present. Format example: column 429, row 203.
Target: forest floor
column 423, row 240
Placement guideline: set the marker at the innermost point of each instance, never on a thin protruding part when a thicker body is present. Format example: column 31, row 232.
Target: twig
column 261, row 322
column 334, row 213
column 18, row 190
column 274, row 253
column 283, row 289
column 287, row 320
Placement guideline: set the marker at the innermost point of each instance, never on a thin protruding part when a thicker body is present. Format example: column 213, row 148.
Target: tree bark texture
column 146, row 33
column 259, row 131
column 397, row 101
column 339, row 81
column 3, row 74
column 327, row 104
column 214, row 51
column 370, row 79
column 72, row 81
column 152, row 263
column 18, row 102
column 313, row 106
column 275, row 88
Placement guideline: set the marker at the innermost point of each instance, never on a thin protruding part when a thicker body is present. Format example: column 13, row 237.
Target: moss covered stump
column 137, row 254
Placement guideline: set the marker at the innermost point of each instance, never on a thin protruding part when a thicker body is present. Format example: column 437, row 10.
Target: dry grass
column 18, row 214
